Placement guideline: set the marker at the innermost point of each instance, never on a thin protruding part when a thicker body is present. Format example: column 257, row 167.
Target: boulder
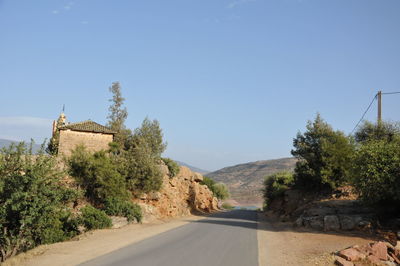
column 316, row 223
column 331, row 223
column 342, row 262
column 349, row 222
column 351, row 254
column 380, row 250
column 118, row 222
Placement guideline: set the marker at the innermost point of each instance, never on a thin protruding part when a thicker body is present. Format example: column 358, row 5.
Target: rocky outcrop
column 179, row 196
column 376, row 253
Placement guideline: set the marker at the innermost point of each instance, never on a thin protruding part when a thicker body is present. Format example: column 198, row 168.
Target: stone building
column 93, row 136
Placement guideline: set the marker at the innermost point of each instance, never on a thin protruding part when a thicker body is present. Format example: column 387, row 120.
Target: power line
column 362, row 117
column 395, row 92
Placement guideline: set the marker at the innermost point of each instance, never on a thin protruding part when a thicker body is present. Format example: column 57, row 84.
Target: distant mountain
column 7, row 142
column 194, row 169
column 245, row 181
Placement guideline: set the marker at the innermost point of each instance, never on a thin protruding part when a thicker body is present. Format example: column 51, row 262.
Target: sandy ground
column 281, row 244
column 93, row 244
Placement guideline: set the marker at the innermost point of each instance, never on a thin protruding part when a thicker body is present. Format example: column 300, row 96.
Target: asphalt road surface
column 226, row 239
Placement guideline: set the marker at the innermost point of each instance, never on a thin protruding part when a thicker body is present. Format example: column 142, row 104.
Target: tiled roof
column 88, row 126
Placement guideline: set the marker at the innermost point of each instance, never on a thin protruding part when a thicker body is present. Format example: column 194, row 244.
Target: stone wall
column 92, row 141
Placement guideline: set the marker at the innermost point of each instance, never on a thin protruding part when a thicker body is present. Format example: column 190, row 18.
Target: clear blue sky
column 231, row 81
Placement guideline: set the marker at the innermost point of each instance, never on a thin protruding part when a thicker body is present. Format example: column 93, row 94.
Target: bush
column 118, row 207
column 97, row 174
column 219, row 190
column 93, row 218
column 376, row 173
column 275, row 185
column 33, row 204
column 324, row 157
column 227, row 206
column 173, row 167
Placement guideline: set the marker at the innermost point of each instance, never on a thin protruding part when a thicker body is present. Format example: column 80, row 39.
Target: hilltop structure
column 66, row 136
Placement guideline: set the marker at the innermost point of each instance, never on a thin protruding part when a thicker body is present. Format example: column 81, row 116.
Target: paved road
column 226, row 239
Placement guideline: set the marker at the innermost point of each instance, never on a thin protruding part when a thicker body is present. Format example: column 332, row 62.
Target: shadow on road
column 252, row 219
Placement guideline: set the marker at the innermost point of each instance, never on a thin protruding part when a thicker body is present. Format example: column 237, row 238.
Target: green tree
column 150, row 134
column 117, row 115
column 276, row 184
column 376, row 171
column 33, row 204
column 141, row 169
column 379, row 131
column 97, row 174
column 324, row 156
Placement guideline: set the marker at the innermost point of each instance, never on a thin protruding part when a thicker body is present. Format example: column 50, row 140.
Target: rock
column 178, row 196
column 374, row 260
column 389, row 263
column 154, row 195
column 315, row 223
column 198, row 177
column 365, row 225
column 349, row 222
column 118, row 222
column 351, row 254
column 143, row 196
column 397, row 246
column 331, row 223
column 379, row 250
column 319, row 211
column 395, row 258
column 299, row 222
column 342, row 262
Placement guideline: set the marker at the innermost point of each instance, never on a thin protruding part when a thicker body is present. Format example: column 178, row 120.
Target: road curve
column 222, row 239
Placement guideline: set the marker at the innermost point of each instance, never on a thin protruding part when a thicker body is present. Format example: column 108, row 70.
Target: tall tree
column 324, row 156
column 118, row 114
column 150, row 134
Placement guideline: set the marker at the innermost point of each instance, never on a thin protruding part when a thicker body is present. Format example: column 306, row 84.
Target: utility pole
column 379, row 95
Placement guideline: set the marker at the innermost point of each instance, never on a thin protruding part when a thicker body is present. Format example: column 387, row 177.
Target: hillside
column 245, row 180
column 194, row 169
column 5, row 143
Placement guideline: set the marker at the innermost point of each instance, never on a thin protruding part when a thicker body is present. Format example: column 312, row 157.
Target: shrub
column 275, row 185
column 219, row 190
column 97, row 174
column 376, row 172
column 93, row 218
column 227, row 206
column 119, row 207
column 33, row 204
column 324, row 156
column 173, row 167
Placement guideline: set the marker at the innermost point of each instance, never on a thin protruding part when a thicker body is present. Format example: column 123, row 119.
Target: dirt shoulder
column 96, row 243
column 281, row 244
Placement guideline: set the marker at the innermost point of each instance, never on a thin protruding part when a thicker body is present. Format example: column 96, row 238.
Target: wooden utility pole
column 379, row 95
